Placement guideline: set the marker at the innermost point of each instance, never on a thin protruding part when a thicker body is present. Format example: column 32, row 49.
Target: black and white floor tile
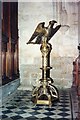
column 20, row 107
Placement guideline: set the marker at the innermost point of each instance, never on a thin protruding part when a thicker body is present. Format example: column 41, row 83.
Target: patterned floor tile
column 3, row 116
column 32, row 118
column 22, row 108
column 29, row 110
column 7, row 119
column 25, row 115
column 47, row 118
column 56, row 116
column 11, row 114
column 42, row 111
column 40, row 116
column 49, row 113
column 16, row 110
column 17, row 117
column 23, row 119
column 3, row 109
column 6, row 111
column 64, row 114
column 56, row 112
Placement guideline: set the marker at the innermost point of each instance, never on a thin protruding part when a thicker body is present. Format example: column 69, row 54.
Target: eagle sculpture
column 41, row 31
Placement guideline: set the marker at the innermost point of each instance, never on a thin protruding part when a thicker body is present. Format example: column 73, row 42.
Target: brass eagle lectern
column 46, row 93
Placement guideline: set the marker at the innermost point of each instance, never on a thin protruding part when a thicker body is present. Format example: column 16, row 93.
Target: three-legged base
column 45, row 95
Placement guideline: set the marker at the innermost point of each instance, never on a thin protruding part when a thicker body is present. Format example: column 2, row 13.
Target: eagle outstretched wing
column 37, row 31
column 52, row 32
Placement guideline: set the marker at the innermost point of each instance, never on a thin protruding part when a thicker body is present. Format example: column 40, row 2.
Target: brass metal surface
column 46, row 92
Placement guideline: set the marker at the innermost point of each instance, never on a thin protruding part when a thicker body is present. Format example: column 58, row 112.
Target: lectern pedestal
column 46, row 92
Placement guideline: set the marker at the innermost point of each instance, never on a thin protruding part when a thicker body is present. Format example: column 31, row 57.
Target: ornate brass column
column 46, row 92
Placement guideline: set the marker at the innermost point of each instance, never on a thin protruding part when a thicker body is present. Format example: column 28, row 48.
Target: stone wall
column 61, row 73
column 64, row 42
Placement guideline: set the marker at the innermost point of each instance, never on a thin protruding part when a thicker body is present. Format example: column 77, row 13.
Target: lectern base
column 46, row 96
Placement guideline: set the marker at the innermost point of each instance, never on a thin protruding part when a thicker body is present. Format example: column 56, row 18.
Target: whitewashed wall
column 64, row 43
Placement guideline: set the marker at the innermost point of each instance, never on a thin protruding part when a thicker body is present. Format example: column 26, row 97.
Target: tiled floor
column 20, row 107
